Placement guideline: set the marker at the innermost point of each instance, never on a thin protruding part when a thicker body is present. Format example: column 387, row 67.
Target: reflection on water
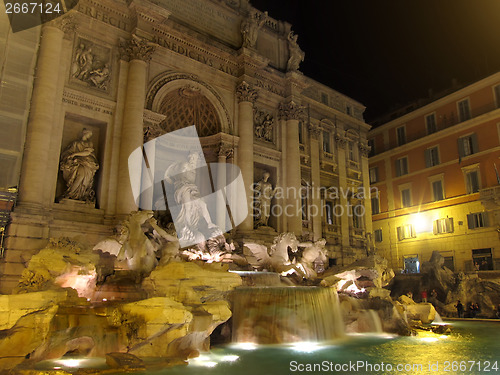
column 362, row 354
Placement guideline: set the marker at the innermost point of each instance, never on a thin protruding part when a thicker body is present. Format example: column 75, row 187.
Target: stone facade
column 130, row 72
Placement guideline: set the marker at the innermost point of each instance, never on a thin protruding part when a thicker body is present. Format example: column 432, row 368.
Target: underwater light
column 429, row 339
column 246, row 345
column 70, row 362
column 230, row 358
column 306, row 346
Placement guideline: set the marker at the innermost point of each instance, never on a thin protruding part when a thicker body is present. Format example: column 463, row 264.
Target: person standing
column 460, row 309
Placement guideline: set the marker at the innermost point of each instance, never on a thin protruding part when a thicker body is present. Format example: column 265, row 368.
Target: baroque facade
column 436, row 172
column 116, row 74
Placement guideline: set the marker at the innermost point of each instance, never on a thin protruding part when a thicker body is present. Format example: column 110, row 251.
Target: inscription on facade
column 205, row 16
column 194, row 55
column 104, row 17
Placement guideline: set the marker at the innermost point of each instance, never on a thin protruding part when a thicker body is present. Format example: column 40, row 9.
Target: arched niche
column 185, row 100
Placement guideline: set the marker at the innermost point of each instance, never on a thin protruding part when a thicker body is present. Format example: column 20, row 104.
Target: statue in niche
column 264, row 193
column 79, row 165
column 250, row 28
column 187, row 195
column 296, row 54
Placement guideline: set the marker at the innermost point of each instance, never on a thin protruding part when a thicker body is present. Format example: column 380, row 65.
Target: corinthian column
column 292, row 113
column 344, row 220
column 246, row 96
column 314, row 133
column 139, row 53
column 34, row 181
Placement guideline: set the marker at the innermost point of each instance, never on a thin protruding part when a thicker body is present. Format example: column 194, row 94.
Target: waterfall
column 438, row 320
column 373, row 319
column 271, row 315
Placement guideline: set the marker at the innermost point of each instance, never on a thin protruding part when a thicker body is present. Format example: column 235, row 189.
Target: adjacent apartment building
column 436, row 172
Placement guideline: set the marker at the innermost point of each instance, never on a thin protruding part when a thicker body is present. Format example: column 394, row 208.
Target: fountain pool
column 470, row 341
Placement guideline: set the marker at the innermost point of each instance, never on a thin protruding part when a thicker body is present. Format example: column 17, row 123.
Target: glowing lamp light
column 421, row 223
column 230, row 358
column 246, row 346
column 70, row 362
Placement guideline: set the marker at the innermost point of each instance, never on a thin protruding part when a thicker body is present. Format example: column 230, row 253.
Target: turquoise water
column 472, row 348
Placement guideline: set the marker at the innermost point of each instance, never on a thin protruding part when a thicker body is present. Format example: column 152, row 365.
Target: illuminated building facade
column 133, row 71
column 435, row 168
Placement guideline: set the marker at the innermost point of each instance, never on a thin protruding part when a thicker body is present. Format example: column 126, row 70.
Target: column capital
column 66, row 23
column 137, row 48
column 364, row 149
column 246, row 93
column 224, row 150
column 340, row 140
column 314, row 131
column 291, row 111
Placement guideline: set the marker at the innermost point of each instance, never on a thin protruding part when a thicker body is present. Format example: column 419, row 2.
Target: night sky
column 387, row 53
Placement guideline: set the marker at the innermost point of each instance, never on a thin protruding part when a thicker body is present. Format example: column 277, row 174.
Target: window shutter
column 449, row 225
column 428, row 158
column 398, row 167
column 475, row 146
column 412, row 230
column 400, row 233
column 435, row 227
column 461, row 152
column 470, row 221
column 486, row 219
column 376, row 174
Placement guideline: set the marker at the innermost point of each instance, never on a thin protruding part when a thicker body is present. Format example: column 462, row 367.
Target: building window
column 378, row 235
column 472, row 179
column 401, row 134
column 464, row 110
column 405, row 197
column 375, row 206
column 357, row 220
column 443, row 225
column 406, row 231
column 348, row 109
column 301, row 133
column 352, row 151
column 437, row 190
column 432, row 156
column 430, row 123
column 326, row 142
column 467, row 145
column 329, row 213
column 477, row 220
column 449, row 263
column 373, row 175
column 496, row 89
column 401, row 166
column 483, row 259
column 412, row 264
column 371, row 144
column 324, row 98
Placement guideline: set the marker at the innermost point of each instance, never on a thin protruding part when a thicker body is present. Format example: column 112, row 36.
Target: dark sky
column 386, row 53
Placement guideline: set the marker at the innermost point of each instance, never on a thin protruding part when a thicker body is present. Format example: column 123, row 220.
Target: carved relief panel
column 91, row 65
column 264, row 126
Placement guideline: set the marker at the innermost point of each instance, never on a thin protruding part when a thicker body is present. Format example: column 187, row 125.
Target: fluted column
column 314, row 133
column 139, row 53
column 344, row 220
column 34, row 180
column 292, row 113
column 246, row 96
column 220, row 185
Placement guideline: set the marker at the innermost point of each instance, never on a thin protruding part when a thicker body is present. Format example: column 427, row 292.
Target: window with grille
column 472, row 182
column 405, row 197
column 378, row 235
column 467, row 145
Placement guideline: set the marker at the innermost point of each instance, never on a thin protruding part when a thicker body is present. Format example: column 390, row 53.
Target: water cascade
column 272, row 315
